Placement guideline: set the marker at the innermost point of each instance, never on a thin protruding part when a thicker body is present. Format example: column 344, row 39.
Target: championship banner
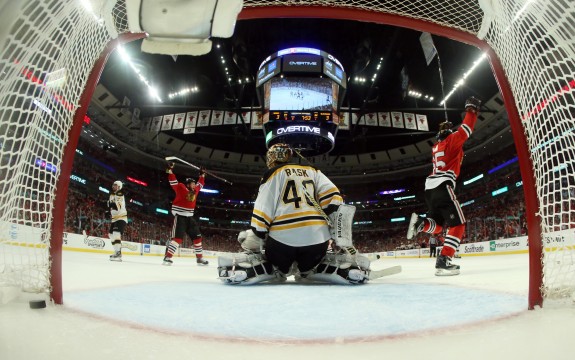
column 136, row 117
column 167, row 121
column 354, row 118
column 145, row 126
column 428, row 47
column 371, row 119
column 191, row 119
column 397, row 119
column 344, row 121
column 204, row 118
column 156, row 123
column 257, row 120
column 230, row 118
column 179, row 120
column 410, row 121
column 125, row 109
column 421, row 121
column 190, row 122
column 384, row 119
column 246, row 116
column 217, row 117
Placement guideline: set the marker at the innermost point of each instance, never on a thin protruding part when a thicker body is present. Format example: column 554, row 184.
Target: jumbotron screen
column 300, row 99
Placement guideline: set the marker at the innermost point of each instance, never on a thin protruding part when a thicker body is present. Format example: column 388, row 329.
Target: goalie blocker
column 341, row 222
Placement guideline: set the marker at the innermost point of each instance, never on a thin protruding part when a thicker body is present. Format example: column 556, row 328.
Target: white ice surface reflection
column 139, row 309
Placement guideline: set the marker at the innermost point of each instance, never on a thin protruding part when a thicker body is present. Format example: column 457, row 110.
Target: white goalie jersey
column 282, row 210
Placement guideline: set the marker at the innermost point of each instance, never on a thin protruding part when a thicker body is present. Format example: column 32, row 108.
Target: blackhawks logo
column 191, row 196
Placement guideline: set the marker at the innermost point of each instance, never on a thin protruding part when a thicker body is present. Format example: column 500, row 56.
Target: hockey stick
column 376, row 274
column 174, row 158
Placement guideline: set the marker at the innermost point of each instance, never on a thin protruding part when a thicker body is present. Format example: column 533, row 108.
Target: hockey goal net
column 53, row 52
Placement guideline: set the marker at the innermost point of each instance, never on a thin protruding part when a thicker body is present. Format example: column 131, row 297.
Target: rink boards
column 28, row 236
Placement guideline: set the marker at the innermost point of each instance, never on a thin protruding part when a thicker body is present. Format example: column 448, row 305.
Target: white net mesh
column 535, row 42
column 51, row 48
column 45, row 60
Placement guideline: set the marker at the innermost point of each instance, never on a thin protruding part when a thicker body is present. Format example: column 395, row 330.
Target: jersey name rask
column 297, row 171
column 283, row 211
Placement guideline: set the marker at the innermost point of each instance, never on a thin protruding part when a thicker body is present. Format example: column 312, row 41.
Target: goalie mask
column 278, row 153
column 444, row 130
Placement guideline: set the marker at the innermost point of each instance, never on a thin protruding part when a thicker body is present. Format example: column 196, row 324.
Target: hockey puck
column 37, row 304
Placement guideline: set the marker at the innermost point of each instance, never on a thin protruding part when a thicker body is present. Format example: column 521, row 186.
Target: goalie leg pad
column 342, row 269
column 341, row 222
column 245, row 269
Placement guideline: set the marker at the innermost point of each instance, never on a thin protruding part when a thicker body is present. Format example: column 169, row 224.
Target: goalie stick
column 174, row 158
column 376, row 274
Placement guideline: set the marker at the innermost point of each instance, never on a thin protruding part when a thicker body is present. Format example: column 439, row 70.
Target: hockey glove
column 202, row 171
column 472, row 104
column 170, row 167
column 112, row 205
column 250, row 242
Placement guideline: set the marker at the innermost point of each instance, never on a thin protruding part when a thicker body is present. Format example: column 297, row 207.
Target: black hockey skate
column 444, row 267
column 167, row 261
column 117, row 256
column 202, row 262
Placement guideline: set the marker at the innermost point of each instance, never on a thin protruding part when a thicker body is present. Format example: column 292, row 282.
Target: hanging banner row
column 189, row 121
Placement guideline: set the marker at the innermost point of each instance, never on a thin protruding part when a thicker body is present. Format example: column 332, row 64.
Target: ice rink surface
column 139, row 309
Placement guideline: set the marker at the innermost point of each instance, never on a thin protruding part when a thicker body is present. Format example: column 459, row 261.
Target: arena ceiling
column 359, row 46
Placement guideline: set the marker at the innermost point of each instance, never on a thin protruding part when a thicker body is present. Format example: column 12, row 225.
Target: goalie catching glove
column 250, row 241
column 472, row 104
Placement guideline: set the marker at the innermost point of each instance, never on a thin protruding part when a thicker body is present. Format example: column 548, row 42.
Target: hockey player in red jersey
column 444, row 210
column 183, row 207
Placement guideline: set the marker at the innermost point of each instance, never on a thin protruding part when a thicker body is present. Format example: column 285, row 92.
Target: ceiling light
column 462, row 80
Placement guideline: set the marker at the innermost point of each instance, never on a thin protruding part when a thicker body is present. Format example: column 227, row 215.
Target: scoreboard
column 303, row 116
column 300, row 90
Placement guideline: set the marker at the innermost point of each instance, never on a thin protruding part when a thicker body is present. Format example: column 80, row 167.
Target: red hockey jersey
column 185, row 201
column 448, row 154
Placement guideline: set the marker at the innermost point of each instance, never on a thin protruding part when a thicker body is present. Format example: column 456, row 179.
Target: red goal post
column 53, row 52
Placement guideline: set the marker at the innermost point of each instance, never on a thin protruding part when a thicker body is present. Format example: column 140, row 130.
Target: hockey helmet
column 119, row 184
column 278, row 153
column 444, row 130
column 188, row 181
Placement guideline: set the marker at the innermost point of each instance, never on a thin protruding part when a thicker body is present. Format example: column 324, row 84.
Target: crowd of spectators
column 220, row 219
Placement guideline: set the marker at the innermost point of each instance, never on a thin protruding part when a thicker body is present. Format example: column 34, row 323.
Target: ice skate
column 444, row 267
column 167, row 261
column 415, row 226
column 117, row 256
column 201, row 262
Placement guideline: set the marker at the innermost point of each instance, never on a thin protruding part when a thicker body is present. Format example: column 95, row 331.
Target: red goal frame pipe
column 61, row 195
column 534, row 228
